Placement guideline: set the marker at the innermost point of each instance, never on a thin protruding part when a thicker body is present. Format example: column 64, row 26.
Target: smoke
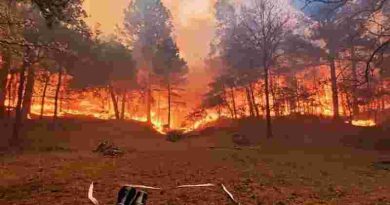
column 193, row 21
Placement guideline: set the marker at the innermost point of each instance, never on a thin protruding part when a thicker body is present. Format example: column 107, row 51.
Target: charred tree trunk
column 335, row 94
column 61, row 100
column 14, row 141
column 3, row 81
column 149, row 101
column 28, row 93
column 10, row 82
column 267, row 102
column 47, row 79
column 249, row 100
column 219, row 111
column 233, row 102
column 227, row 103
column 169, row 105
column 57, row 94
column 257, row 113
column 158, row 107
column 7, row 57
column 272, row 85
column 114, row 102
column 355, row 104
column 123, row 109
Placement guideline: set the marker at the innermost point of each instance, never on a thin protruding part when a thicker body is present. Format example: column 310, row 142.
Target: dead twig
column 229, row 194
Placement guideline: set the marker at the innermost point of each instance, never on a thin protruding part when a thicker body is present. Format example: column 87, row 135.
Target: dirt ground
column 58, row 165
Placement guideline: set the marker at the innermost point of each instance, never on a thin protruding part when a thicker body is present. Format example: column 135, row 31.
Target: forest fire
column 286, row 101
column 96, row 103
column 146, row 80
column 363, row 123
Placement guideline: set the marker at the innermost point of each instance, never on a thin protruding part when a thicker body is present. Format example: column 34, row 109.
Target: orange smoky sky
column 194, row 29
column 193, row 21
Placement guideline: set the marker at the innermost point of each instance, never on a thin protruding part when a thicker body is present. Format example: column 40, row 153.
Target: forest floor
column 307, row 162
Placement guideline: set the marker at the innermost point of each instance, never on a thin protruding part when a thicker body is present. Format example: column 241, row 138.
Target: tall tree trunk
column 6, row 57
column 267, row 102
column 123, row 104
column 14, row 141
column 249, row 100
column 149, row 101
column 47, row 79
column 169, row 105
column 28, row 93
column 61, row 100
column 227, row 103
column 219, row 111
column 57, row 94
column 233, row 102
column 335, row 94
column 355, row 104
column 10, row 82
column 114, row 102
column 277, row 104
column 254, row 100
column 3, row 81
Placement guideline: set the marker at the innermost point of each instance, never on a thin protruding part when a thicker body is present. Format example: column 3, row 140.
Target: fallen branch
column 196, row 185
column 90, row 195
column 229, row 194
column 143, row 187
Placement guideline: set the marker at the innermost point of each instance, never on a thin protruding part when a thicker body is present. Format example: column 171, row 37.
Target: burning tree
column 369, row 14
column 13, row 21
column 147, row 24
column 221, row 95
column 172, row 70
column 113, row 68
column 25, row 30
column 249, row 39
column 342, row 28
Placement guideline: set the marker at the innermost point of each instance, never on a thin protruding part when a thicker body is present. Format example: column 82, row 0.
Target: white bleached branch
column 143, row 187
column 90, row 195
column 229, row 194
column 195, row 185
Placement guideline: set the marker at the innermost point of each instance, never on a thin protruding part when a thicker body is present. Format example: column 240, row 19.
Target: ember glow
column 96, row 103
column 363, row 123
